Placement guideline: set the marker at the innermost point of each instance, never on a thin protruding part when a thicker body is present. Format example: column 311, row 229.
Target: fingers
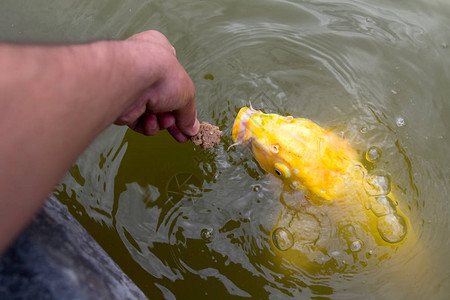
column 186, row 119
column 177, row 96
column 147, row 124
column 150, row 124
column 177, row 134
column 186, row 115
column 167, row 100
column 166, row 120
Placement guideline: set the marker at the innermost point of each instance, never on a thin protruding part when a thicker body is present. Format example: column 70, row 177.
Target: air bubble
column 349, row 233
column 282, row 239
column 382, row 206
column 392, row 228
column 335, row 253
column 257, row 188
column 363, row 130
column 206, row 234
column 356, row 245
column 377, row 183
column 373, row 154
column 400, row 122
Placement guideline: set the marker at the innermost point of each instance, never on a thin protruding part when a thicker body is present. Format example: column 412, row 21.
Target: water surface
column 188, row 223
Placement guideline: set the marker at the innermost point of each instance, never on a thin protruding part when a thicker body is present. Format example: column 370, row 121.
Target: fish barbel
column 326, row 169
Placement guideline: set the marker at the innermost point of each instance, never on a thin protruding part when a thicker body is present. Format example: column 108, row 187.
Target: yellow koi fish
column 334, row 208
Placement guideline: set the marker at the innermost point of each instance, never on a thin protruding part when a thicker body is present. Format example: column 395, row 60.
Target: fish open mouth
column 240, row 124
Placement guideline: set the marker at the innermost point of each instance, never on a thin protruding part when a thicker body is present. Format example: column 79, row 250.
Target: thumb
column 186, row 119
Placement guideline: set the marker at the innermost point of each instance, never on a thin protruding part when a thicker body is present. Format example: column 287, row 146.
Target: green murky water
column 187, row 223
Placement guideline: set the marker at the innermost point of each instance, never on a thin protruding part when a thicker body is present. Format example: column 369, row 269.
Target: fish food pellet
column 208, row 136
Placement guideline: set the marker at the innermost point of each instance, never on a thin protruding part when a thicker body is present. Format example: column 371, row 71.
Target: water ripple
column 352, row 66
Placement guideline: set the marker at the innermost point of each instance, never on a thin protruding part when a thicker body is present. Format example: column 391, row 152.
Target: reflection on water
column 189, row 223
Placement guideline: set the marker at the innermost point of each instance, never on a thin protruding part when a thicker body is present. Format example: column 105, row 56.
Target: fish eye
column 282, row 170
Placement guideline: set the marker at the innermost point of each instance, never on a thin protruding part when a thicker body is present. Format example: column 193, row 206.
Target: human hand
column 166, row 97
column 137, row 82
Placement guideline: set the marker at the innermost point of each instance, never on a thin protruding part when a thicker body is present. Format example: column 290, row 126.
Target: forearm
column 54, row 101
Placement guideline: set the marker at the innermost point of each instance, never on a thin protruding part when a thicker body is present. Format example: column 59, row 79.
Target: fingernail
column 196, row 126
